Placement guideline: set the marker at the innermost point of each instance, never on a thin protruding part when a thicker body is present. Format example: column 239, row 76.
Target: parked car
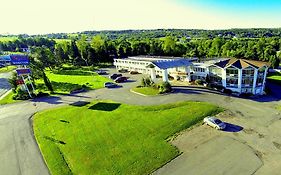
column 120, row 79
column 214, row 122
column 134, row 72
column 101, row 72
column 110, row 85
column 114, row 76
column 123, row 70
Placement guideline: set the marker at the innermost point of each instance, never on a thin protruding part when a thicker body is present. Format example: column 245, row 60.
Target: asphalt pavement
column 4, row 84
column 259, row 140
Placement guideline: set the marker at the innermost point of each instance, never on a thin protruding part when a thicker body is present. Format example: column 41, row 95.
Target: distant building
column 237, row 75
column 5, row 59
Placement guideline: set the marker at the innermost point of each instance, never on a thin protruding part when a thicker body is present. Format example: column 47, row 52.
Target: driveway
column 4, row 84
column 259, row 140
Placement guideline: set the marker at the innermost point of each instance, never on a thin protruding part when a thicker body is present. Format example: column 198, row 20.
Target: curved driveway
column 4, row 84
column 19, row 153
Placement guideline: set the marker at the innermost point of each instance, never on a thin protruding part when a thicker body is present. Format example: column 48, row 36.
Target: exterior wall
column 249, row 80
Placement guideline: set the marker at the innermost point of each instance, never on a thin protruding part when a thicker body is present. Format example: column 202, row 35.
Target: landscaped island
column 105, row 137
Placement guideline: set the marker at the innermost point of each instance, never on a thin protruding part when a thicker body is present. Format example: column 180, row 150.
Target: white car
column 214, row 122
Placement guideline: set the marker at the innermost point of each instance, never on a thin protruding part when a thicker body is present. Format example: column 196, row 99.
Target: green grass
column 278, row 107
column 64, row 81
column 7, row 39
column 275, row 77
column 146, row 90
column 7, row 69
column 8, row 99
column 105, row 137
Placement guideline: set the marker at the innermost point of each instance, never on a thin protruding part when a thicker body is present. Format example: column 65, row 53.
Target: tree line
column 87, row 50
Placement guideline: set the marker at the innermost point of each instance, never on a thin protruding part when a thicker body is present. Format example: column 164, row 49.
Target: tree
column 169, row 45
column 40, row 59
column 83, row 47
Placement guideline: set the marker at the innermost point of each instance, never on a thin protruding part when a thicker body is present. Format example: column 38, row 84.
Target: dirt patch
column 261, row 136
column 277, row 145
column 250, row 131
column 226, row 114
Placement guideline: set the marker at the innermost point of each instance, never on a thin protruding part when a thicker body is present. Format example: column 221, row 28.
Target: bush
column 165, row 87
column 227, row 91
column 147, row 82
column 199, row 82
column 42, row 94
column 20, row 94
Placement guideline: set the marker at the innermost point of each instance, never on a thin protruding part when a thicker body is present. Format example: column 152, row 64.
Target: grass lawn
column 7, row 69
column 64, row 81
column 275, row 77
column 7, row 39
column 8, row 99
column 105, row 137
column 146, row 90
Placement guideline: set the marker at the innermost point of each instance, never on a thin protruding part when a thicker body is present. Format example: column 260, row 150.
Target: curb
column 131, row 90
column 5, row 94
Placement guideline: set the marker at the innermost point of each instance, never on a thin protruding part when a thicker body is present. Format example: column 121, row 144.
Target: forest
column 94, row 47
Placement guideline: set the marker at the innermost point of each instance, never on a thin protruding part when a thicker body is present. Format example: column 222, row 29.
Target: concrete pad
column 220, row 155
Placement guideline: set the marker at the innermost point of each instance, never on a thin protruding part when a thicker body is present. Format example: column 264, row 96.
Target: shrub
column 165, row 87
column 147, row 82
column 199, row 82
column 20, row 94
column 42, row 94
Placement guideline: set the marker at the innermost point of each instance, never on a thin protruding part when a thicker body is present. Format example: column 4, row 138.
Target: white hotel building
column 237, row 75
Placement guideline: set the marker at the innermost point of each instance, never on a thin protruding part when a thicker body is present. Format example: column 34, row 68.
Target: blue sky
column 53, row 16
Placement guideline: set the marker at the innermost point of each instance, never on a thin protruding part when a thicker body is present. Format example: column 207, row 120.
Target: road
column 256, row 147
column 4, row 84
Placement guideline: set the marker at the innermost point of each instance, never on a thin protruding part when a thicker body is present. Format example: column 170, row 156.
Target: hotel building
column 237, row 75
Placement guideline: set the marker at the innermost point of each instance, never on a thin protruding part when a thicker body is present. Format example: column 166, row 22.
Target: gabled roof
column 241, row 63
column 165, row 64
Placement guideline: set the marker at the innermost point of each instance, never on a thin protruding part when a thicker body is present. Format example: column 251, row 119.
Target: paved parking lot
column 256, row 149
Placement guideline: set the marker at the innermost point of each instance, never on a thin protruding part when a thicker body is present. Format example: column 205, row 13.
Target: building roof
column 5, row 58
column 165, row 64
column 241, row 63
column 155, row 58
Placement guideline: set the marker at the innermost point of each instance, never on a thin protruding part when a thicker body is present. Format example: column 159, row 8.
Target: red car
column 120, row 79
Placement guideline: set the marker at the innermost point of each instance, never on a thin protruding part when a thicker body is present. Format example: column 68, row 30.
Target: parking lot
column 251, row 143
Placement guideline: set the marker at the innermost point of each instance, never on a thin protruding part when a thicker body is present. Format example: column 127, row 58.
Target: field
column 7, row 39
column 65, row 81
column 105, row 137
column 146, row 90
column 7, row 69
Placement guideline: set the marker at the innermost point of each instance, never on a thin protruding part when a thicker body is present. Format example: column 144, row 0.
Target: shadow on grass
column 74, row 72
column 80, row 103
column 54, row 140
column 48, row 99
column 232, row 128
column 105, row 106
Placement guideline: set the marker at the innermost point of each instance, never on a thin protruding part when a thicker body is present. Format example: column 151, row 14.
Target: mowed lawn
column 67, row 81
column 275, row 77
column 7, row 69
column 146, row 90
column 105, row 137
column 8, row 99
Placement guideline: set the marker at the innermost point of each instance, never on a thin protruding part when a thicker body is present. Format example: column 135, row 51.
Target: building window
column 248, row 72
column 232, row 72
column 199, row 69
column 232, row 82
column 247, row 81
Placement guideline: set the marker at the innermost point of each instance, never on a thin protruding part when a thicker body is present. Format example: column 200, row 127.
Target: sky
column 66, row 16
